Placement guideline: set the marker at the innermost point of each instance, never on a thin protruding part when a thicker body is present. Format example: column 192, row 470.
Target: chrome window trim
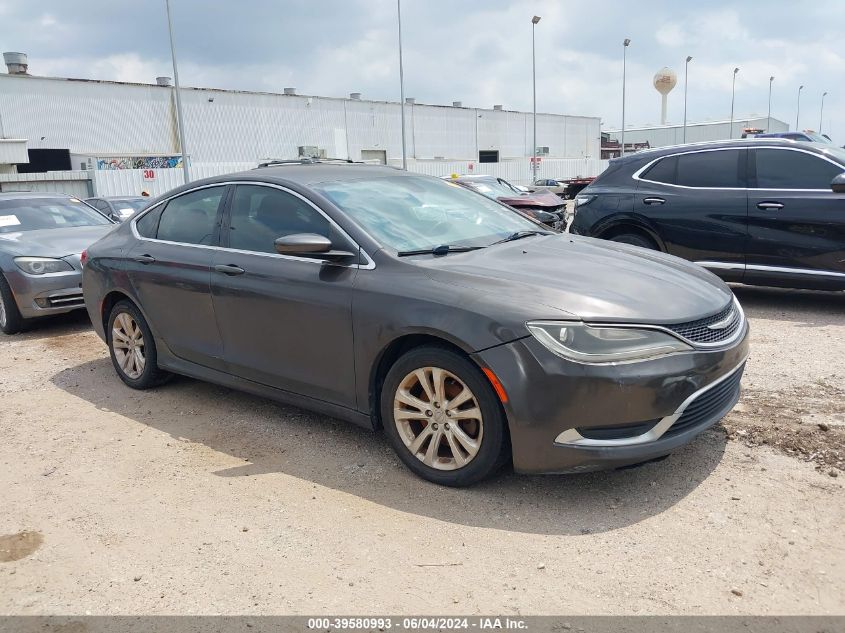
column 637, row 174
column 571, row 437
column 369, row 265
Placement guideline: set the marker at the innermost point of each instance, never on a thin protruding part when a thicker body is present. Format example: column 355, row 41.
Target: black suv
column 758, row 211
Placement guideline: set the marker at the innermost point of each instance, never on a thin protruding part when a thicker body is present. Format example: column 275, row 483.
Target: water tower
column 664, row 80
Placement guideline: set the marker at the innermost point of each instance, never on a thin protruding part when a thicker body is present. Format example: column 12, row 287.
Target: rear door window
column 191, row 218
column 719, row 169
column 664, row 171
column 790, row 169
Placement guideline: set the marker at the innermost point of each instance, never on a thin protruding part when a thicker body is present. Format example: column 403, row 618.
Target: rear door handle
column 145, row 259
column 653, row 201
column 770, row 205
column 229, row 269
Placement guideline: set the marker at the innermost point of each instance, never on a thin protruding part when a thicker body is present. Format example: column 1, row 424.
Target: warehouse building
column 665, row 135
column 74, row 124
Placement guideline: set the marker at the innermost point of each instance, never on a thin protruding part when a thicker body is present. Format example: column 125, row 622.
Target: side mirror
column 838, row 184
column 309, row 245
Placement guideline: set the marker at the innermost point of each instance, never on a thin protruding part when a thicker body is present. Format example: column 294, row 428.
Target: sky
column 474, row 51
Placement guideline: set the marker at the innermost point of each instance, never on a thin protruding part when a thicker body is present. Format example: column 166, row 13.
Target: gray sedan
column 41, row 238
column 469, row 333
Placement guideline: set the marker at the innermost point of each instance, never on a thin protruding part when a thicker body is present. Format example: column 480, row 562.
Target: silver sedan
column 42, row 236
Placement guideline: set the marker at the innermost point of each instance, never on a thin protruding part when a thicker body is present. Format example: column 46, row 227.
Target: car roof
column 656, row 152
column 23, row 195
column 117, row 198
column 313, row 173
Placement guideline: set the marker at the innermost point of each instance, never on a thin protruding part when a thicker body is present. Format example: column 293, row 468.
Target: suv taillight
column 83, row 257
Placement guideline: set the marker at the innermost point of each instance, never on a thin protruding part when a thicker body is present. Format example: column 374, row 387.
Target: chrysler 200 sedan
column 470, row 334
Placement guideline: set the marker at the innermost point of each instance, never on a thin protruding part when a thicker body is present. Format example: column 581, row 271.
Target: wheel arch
column 621, row 225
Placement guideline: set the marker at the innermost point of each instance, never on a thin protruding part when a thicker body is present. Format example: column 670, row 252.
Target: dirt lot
column 197, row 499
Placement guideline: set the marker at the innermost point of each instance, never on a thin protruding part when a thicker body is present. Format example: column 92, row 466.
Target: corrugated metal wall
column 98, row 118
column 696, row 132
column 74, row 183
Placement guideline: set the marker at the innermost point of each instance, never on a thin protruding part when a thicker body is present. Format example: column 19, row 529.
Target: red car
column 542, row 206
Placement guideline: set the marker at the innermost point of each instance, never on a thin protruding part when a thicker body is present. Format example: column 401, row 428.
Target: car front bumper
column 43, row 295
column 570, row 417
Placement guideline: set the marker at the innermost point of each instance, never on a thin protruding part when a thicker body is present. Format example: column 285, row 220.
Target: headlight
column 42, row 265
column 588, row 344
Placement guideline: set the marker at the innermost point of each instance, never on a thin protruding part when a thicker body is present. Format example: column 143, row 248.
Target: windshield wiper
column 442, row 249
column 519, row 235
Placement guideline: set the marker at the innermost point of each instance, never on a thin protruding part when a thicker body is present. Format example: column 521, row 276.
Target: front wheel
column 132, row 348
column 11, row 321
column 442, row 417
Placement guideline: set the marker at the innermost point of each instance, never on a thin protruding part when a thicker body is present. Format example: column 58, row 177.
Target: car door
column 796, row 223
column 170, row 270
column 286, row 321
column 697, row 203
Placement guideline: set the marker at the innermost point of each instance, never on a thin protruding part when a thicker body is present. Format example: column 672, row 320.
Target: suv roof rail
column 306, row 160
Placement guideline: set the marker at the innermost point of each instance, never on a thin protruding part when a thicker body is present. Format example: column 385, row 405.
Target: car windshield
column 409, row 213
column 31, row 214
column 129, row 203
column 492, row 188
column 817, row 138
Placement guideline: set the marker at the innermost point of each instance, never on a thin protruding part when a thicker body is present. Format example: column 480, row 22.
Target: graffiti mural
column 140, row 162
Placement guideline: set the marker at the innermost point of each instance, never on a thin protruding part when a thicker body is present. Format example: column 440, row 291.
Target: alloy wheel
column 438, row 418
column 128, row 345
column 2, row 311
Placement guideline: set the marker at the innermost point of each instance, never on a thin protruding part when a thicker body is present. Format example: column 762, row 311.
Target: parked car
column 542, row 206
column 118, row 208
column 41, row 238
column 807, row 136
column 550, row 185
column 403, row 302
column 757, row 211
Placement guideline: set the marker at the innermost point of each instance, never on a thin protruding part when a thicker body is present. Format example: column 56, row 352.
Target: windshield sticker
column 9, row 220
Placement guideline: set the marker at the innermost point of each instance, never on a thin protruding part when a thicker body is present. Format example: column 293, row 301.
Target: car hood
column 590, row 279
column 52, row 242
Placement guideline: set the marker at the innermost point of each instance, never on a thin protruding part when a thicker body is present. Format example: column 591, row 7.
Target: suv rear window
column 720, row 168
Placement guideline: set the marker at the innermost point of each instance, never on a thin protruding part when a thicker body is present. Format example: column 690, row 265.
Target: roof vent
column 410, row 100
column 163, row 81
column 290, row 91
column 355, row 96
column 457, row 104
column 498, row 106
column 16, row 63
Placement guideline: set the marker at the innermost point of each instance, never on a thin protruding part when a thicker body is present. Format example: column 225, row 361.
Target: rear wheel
column 132, row 348
column 635, row 239
column 11, row 321
column 442, row 417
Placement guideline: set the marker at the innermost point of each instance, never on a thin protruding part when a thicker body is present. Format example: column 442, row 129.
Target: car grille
column 710, row 406
column 702, row 330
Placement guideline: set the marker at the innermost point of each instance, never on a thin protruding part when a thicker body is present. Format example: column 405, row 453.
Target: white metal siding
column 101, row 118
column 663, row 136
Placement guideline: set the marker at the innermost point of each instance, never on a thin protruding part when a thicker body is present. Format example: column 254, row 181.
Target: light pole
column 798, row 107
column 401, row 84
column 625, row 45
column 769, row 118
column 180, row 120
column 733, row 94
column 534, row 22
column 821, row 112
column 686, row 78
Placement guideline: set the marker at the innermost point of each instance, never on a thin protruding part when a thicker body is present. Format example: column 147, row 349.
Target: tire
column 11, row 321
column 635, row 239
column 469, row 447
column 132, row 347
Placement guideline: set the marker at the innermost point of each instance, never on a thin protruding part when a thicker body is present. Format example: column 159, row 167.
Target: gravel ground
column 197, row 499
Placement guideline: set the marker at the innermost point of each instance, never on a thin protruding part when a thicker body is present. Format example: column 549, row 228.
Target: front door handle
column 145, row 259
column 769, row 205
column 229, row 269
column 653, row 201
